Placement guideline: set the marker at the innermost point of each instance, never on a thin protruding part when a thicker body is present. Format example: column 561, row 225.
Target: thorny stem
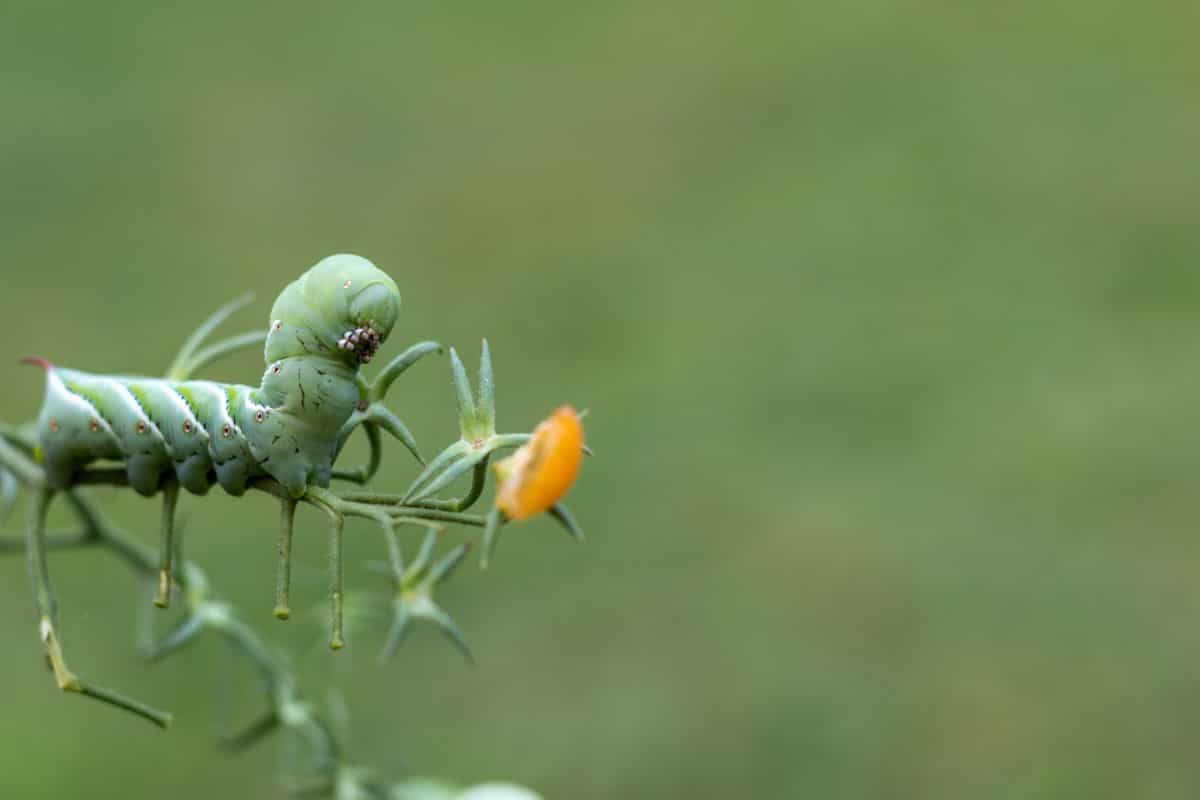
column 414, row 585
column 46, row 603
column 283, row 696
column 202, row 611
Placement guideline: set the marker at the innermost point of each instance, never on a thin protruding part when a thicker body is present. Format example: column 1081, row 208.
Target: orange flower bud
column 541, row 471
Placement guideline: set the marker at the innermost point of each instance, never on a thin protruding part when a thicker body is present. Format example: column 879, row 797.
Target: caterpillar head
column 344, row 306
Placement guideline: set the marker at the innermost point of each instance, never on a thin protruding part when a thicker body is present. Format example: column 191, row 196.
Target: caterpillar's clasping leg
column 166, row 552
column 47, row 611
column 283, row 570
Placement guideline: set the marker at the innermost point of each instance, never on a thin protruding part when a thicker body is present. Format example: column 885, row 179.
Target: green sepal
column 485, row 407
column 440, row 618
column 561, row 513
column 477, row 433
column 491, row 536
column 441, row 461
column 462, row 392
column 457, row 467
column 414, row 585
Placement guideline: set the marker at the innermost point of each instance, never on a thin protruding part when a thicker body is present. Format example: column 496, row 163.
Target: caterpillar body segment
column 156, row 428
column 324, row 326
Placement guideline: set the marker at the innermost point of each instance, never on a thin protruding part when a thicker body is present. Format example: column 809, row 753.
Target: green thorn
column 394, row 368
column 560, row 512
column 421, row 562
column 452, row 472
column 386, row 419
column 447, row 456
column 395, row 553
column 462, row 390
column 443, row 621
column 491, row 535
column 445, row 567
column 178, row 368
column 486, row 410
column 396, row 633
column 219, row 350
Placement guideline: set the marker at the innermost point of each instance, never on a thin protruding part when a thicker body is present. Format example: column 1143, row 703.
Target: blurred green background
column 885, row 313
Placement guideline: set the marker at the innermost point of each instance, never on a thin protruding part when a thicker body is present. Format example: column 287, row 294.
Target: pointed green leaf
column 397, row 366
column 421, row 562
column 215, row 352
column 347, row 431
column 478, row 481
column 363, row 473
column 396, row 634
column 486, row 410
column 491, row 534
column 193, row 342
column 508, row 440
column 440, row 462
column 443, row 621
column 462, row 391
column 395, row 553
column 563, row 515
column 392, row 424
column 450, row 474
column 443, row 568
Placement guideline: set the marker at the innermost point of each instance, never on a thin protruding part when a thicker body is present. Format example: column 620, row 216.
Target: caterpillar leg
column 46, row 604
column 166, row 553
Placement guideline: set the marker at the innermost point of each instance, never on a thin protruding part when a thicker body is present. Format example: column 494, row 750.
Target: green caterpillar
column 324, row 326
column 280, row 438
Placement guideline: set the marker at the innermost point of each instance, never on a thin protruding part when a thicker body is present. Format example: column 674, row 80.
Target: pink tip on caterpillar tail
column 38, row 361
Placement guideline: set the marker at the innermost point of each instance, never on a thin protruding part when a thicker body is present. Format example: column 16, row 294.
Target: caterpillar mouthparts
column 363, row 341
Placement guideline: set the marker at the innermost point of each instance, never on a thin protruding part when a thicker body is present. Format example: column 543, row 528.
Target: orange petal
column 541, row 471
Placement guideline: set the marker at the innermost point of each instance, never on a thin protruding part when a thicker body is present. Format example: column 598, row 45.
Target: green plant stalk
column 202, row 612
column 414, row 585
